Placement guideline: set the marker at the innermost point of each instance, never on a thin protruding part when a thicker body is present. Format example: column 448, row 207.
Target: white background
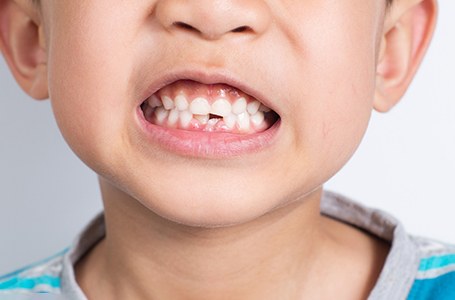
column 405, row 164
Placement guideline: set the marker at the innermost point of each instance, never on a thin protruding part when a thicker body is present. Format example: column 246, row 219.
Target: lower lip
column 214, row 145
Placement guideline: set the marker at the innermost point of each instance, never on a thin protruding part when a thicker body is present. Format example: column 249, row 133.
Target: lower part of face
column 309, row 64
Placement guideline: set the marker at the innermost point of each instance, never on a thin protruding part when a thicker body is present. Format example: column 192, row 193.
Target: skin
column 198, row 228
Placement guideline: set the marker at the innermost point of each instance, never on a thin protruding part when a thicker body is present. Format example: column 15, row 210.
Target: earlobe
column 23, row 49
column 408, row 32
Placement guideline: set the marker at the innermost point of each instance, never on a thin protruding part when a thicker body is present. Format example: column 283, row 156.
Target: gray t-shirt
column 415, row 268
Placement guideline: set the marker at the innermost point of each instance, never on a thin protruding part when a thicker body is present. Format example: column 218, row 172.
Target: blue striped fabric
column 439, row 288
column 435, row 279
column 30, row 283
column 40, row 277
column 435, row 262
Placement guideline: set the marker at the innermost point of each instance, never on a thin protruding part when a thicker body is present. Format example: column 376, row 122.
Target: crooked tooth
column 167, row 102
column 239, row 106
column 161, row 114
column 221, row 107
column 230, row 121
column 257, row 119
column 185, row 118
column 200, row 106
column 253, row 107
column 264, row 108
column 154, row 101
column 203, row 119
column 173, row 117
column 181, row 103
column 243, row 121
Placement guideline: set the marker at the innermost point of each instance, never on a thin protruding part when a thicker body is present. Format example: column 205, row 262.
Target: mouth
column 213, row 120
column 192, row 106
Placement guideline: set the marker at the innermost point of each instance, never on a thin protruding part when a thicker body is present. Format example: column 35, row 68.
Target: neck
column 147, row 257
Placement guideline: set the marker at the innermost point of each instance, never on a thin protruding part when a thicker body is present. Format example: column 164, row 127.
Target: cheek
column 88, row 84
column 335, row 87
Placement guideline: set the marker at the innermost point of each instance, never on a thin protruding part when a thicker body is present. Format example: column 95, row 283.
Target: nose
column 214, row 19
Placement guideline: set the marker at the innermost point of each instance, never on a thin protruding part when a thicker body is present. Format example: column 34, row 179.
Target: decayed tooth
column 230, row 121
column 221, row 107
column 167, row 102
column 253, row 107
column 264, row 108
column 200, row 106
column 173, row 117
column 203, row 119
column 181, row 103
column 257, row 118
column 239, row 106
column 185, row 118
column 161, row 114
column 243, row 121
column 154, row 101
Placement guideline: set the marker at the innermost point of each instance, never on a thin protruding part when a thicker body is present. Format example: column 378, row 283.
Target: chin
column 208, row 209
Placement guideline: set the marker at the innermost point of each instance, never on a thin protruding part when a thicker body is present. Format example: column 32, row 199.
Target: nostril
column 242, row 29
column 185, row 26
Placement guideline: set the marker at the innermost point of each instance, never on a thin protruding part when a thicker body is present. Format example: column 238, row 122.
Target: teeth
column 154, row 101
column 161, row 114
column 168, row 103
column 180, row 113
column 230, row 121
column 173, row 117
column 203, row 119
column 243, row 121
column 181, row 103
column 221, row 107
column 185, row 118
column 200, row 106
column 211, row 124
column 239, row 106
column 257, row 118
column 264, row 108
column 253, row 107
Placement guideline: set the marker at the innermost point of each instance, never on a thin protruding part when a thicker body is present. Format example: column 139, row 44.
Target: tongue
column 193, row 106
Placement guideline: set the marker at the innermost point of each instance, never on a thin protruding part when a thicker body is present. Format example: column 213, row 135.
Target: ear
column 408, row 30
column 22, row 45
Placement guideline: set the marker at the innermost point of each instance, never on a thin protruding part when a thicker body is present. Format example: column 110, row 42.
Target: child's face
column 312, row 62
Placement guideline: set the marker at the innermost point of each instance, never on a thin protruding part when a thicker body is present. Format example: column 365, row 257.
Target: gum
column 211, row 92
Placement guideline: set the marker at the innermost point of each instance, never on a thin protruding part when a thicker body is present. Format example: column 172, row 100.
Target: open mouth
column 192, row 106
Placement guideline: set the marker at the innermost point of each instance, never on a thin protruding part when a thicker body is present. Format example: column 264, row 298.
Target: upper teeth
column 241, row 113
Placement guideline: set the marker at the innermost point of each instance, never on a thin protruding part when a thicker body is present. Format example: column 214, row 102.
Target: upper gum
column 212, row 92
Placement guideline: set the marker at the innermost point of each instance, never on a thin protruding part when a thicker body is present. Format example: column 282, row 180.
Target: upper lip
column 204, row 76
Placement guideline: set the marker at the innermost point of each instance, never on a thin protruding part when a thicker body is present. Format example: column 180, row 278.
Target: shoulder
column 41, row 277
column 435, row 277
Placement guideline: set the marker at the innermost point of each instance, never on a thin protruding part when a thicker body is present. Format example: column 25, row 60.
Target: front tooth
column 221, row 107
column 154, row 101
column 203, row 119
column 257, row 118
column 185, row 118
column 173, row 117
column 230, row 120
column 253, row 107
column 181, row 103
column 161, row 114
column 239, row 106
column 243, row 121
column 200, row 106
column 168, row 103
